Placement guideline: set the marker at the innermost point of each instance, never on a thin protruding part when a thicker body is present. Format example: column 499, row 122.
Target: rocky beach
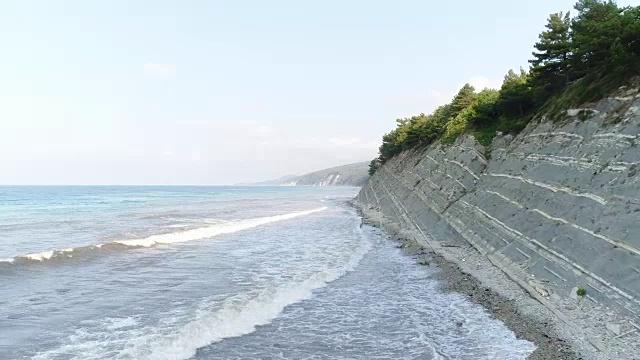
column 462, row 269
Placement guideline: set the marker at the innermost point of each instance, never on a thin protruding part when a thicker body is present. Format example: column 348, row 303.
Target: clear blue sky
column 218, row 92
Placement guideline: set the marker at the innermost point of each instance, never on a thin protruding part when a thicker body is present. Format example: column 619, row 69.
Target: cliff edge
column 556, row 208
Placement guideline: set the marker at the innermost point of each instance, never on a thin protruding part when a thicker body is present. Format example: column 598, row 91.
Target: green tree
column 463, row 99
column 374, row 165
column 389, row 147
column 551, row 60
column 595, row 30
column 481, row 112
column 415, row 137
column 516, row 95
column 626, row 48
column 429, row 130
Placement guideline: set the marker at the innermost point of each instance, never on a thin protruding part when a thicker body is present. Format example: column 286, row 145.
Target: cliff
column 556, row 207
column 345, row 175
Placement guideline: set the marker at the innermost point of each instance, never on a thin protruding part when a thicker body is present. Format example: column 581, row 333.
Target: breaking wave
column 168, row 238
column 239, row 315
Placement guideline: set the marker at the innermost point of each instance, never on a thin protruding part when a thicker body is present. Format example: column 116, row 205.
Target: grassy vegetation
column 588, row 89
column 485, row 135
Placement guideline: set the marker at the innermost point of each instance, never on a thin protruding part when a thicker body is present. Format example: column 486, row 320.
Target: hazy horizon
column 247, row 183
column 214, row 93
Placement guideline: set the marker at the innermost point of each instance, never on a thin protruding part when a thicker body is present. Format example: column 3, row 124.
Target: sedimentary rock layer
column 557, row 207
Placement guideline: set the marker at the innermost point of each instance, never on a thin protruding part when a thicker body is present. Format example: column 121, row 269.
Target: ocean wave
column 165, row 214
column 216, row 229
column 177, row 226
column 240, row 315
column 62, row 254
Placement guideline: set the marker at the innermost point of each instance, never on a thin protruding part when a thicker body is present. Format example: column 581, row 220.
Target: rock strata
column 555, row 208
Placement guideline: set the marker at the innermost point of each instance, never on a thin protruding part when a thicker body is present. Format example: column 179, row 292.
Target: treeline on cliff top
column 576, row 60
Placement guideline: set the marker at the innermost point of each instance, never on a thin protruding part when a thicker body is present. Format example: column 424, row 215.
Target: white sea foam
column 216, row 229
column 239, row 315
column 210, row 231
column 41, row 256
column 119, row 323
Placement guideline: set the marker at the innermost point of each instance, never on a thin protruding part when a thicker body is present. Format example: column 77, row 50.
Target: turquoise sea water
column 220, row 273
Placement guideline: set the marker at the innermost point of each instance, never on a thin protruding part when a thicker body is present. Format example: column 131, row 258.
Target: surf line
column 170, row 238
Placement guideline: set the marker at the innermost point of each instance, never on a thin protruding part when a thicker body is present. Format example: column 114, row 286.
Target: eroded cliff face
column 345, row 175
column 557, row 207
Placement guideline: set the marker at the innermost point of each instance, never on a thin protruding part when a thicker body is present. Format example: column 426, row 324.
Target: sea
column 196, row 272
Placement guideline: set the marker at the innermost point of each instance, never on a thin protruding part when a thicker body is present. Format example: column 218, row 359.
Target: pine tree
column 596, row 29
column 414, row 131
column 516, row 97
column 463, row 99
column 629, row 42
column 389, row 147
column 373, row 166
column 551, row 62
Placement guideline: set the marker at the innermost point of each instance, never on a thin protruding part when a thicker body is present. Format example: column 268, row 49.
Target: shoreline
column 548, row 344
column 464, row 270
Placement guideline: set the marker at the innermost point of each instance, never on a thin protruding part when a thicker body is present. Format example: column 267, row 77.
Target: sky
column 222, row 92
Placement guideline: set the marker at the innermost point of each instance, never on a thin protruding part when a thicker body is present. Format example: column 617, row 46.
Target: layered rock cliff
column 557, row 207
